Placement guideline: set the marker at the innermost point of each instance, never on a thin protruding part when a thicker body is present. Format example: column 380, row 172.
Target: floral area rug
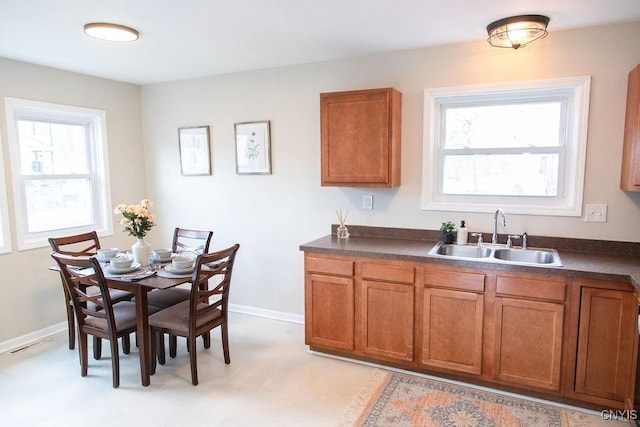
column 394, row 399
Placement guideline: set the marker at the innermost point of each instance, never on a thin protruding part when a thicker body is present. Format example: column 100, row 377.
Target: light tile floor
column 273, row 380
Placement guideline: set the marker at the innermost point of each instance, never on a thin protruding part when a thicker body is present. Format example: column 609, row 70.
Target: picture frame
column 253, row 148
column 194, row 147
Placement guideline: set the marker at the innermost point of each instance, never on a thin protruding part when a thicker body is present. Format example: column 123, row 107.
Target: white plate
column 170, row 269
column 133, row 267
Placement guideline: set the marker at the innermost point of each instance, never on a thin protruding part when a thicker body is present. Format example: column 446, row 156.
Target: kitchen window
column 519, row 146
column 59, row 168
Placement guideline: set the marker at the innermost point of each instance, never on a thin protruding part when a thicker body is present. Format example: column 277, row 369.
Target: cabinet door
column 605, row 340
column 329, row 311
column 360, row 136
column 387, row 320
column 528, row 342
column 452, row 330
column 630, row 171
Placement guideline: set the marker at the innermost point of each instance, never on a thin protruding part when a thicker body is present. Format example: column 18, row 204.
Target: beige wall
column 270, row 216
column 31, row 295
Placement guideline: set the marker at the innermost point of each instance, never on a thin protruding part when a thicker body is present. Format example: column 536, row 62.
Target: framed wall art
column 194, row 150
column 253, row 148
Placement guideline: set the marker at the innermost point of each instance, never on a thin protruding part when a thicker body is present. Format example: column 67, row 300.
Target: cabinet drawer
column 388, row 272
column 454, row 280
column 531, row 288
column 336, row 267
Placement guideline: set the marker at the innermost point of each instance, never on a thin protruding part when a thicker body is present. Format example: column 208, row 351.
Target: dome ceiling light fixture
column 517, row 31
column 111, row 32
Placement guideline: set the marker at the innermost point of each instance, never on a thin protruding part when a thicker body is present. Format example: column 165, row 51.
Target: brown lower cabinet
column 529, row 320
column 329, row 303
column 557, row 337
column 387, row 320
column 451, row 321
column 606, row 329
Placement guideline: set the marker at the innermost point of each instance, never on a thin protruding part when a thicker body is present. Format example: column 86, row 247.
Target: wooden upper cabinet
column 630, row 176
column 361, row 138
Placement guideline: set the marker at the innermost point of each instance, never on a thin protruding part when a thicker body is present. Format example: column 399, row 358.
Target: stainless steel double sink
column 498, row 254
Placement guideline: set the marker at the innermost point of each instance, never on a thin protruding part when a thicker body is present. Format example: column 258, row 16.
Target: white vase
column 141, row 251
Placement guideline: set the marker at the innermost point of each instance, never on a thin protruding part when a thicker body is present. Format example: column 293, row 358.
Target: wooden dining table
column 140, row 288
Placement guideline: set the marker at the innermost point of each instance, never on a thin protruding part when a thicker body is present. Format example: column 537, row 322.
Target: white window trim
column 570, row 203
column 5, row 247
column 16, row 108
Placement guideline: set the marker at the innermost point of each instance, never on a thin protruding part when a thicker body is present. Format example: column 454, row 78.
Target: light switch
column 367, row 201
column 596, row 213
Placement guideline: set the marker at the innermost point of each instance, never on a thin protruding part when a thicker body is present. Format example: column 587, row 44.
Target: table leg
column 144, row 343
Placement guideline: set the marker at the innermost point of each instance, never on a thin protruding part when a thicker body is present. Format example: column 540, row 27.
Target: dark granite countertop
column 601, row 260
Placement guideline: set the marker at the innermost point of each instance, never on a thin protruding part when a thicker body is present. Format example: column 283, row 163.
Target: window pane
column 498, row 126
column 501, row 174
column 54, row 204
column 52, row 148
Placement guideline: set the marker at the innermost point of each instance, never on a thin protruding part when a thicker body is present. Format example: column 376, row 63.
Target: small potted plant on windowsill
column 448, row 228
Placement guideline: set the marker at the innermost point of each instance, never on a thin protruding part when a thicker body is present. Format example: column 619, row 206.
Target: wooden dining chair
column 188, row 241
column 205, row 310
column 95, row 313
column 84, row 245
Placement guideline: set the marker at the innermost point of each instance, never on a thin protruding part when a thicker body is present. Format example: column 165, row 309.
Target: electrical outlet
column 596, row 213
column 367, row 201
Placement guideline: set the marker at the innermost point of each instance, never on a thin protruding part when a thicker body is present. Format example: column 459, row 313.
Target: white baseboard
column 24, row 340
column 270, row 314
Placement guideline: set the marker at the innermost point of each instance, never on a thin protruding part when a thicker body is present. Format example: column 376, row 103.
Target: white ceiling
column 182, row 39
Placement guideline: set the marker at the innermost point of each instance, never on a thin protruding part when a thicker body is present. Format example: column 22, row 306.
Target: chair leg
column 70, row 317
column 162, row 359
column 191, row 345
column 72, row 327
column 97, row 348
column 173, row 345
column 154, row 351
column 115, row 362
column 84, row 353
column 126, row 344
column 225, row 342
column 206, row 339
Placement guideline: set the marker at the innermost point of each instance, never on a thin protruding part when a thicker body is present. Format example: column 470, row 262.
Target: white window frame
column 575, row 93
column 98, row 152
column 5, row 241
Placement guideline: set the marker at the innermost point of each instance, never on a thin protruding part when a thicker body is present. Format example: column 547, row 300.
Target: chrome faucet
column 494, row 237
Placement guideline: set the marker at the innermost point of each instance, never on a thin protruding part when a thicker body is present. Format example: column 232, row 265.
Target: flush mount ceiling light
column 517, row 31
column 111, row 32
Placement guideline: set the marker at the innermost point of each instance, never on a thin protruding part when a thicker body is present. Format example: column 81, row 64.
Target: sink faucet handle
column 509, row 237
column 479, row 236
column 524, row 240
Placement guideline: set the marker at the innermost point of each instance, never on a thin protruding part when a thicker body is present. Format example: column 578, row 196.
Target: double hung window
column 59, row 168
column 518, row 146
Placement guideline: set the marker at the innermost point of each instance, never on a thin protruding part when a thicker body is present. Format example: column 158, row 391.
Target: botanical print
column 252, row 147
column 194, row 151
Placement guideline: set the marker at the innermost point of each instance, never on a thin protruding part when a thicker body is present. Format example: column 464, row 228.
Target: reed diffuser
column 343, row 233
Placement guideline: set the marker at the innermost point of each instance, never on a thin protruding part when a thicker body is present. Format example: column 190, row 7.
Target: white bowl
column 121, row 262
column 181, row 262
column 162, row 254
column 107, row 253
